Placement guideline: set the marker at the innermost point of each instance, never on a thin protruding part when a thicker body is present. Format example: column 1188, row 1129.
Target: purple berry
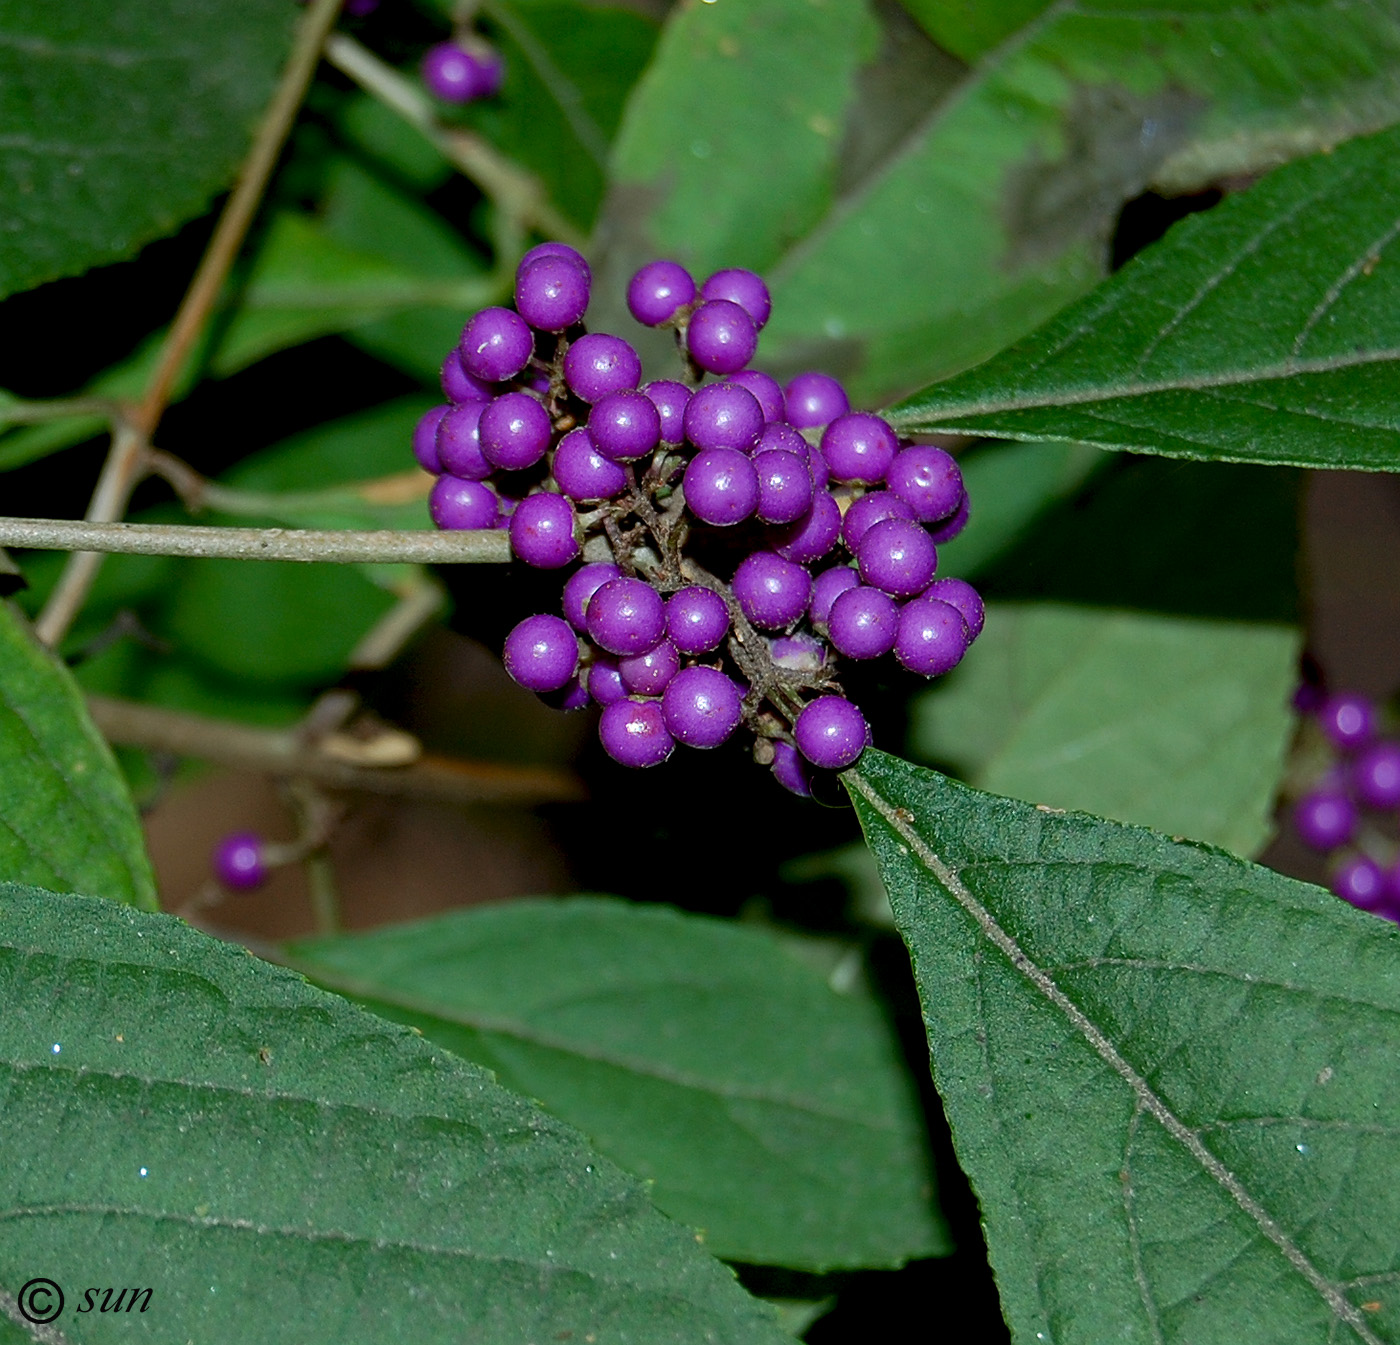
column 459, row 385
column 1363, row 883
column 582, row 472
column 960, row 594
column 541, row 653
column 604, row 681
column 1348, row 720
column 557, row 250
column 496, row 345
column 542, row 531
column 859, row 447
column 515, row 431
column 831, row 733
column 721, row 337
column 456, row 504
column 767, row 393
column 771, row 592
column 898, row 556
column 813, row 535
column 721, row 486
column 657, row 291
column 778, row 435
column 863, row 623
column 573, row 695
column 697, row 619
column 870, row 509
column 702, row 707
column 932, row 637
column 827, row 587
column 723, row 415
column 1325, row 819
column 626, row 617
column 634, row 733
column 743, row 288
column 784, row 486
column 928, row 480
column 625, row 426
column 238, row 861
column 816, row 464
column 425, row 439
column 670, row 400
column 580, row 587
column 814, row 399
column 452, row 73
column 800, row 652
column 491, row 72
column 649, row 674
column 598, row 364
column 551, row 293
column 1375, row 775
column 945, row 532
column 459, row 443
column 791, row 771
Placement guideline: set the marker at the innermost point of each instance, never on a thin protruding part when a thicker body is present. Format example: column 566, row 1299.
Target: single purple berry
column 650, row 673
column 863, row 623
column 950, row 528
column 634, row 733
column 557, row 250
column 459, row 385
column 791, row 771
column 670, row 400
column 657, row 291
column 425, row 439
column 542, row 531
column 814, row 399
column 872, row 508
column 238, row 861
column 960, row 594
column 551, row 293
column 772, row 592
column 813, row 535
column 721, row 337
column 573, row 695
column 723, row 415
column 721, row 486
column 1362, row 882
column 831, row 733
column 701, row 707
column 1375, row 775
column 515, row 431
column 625, row 426
column 598, row 364
column 541, row 653
column 784, row 485
column 580, row 587
column 898, row 556
column 928, row 480
column 604, row 681
column 496, row 345
column 452, row 73
column 932, row 637
column 826, row 588
column 776, row 434
column 1325, row 819
column 457, row 504
column 697, row 619
column 582, row 472
column 626, row 617
column 767, row 393
column 859, row 447
column 744, row 288
column 459, row 443
column 1348, row 720
column 800, row 652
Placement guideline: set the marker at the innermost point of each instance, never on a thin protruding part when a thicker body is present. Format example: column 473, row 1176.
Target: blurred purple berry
column 634, row 733
column 932, row 637
column 1375, row 775
column 697, row 619
column 771, row 592
column 626, row 617
column 598, row 364
column 863, row 623
column 721, row 486
column 723, row 415
column 542, row 531
column 238, row 861
column 496, row 345
column 831, row 733
column 1348, row 720
column 658, row 290
column 744, row 288
column 1325, row 820
column 515, row 431
column 551, row 293
column 456, row 504
column 1363, row 883
column 702, row 707
column 541, row 653
column 721, row 337
column 814, row 399
column 452, row 73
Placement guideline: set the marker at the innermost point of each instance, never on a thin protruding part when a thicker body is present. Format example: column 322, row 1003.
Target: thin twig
column 60, row 408
column 339, row 546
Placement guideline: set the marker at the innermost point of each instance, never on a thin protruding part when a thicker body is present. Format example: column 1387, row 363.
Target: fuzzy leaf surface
column 282, row 1166
column 1169, row 1073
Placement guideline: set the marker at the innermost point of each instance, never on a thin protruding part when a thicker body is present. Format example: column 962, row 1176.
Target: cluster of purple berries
column 463, row 70
column 1365, row 776
column 823, row 522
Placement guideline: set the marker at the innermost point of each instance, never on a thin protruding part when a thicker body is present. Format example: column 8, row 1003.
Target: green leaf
column 66, row 818
column 970, row 28
column 771, row 1110
column 119, row 122
column 281, row 1166
column 1169, row 1073
column 1176, row 723
column 1199, row 349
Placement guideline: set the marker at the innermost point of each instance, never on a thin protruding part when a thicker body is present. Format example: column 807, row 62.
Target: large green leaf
column 281, row 1166
column 1176, row 723
column 971, row 28
column 771, row 1110
column 66, row 818
column 1265, row 331
column 119, row 122
column 1170, row 1074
